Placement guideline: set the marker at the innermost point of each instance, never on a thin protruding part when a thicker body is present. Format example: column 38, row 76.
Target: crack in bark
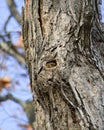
column 40, row 15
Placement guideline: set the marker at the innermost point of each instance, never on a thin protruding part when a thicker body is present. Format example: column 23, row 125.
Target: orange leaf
column 19, row 42
column 28, row 127
column 4, row 82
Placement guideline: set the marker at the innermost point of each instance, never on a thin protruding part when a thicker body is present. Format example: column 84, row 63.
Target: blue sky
column 9, row 110
column 102, row 8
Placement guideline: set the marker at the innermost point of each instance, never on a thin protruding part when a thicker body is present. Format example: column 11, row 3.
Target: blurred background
column 15, row 95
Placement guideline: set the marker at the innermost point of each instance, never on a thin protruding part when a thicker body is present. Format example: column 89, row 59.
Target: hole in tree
column 52, row 63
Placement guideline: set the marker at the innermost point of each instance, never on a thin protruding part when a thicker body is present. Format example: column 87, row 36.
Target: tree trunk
column 64, row 48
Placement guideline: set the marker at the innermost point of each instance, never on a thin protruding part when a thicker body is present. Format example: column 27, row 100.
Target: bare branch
column 12, row 51
column 28, row 106
column 13, row 10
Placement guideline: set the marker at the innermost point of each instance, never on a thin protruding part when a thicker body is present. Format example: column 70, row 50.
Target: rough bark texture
column 64, row 53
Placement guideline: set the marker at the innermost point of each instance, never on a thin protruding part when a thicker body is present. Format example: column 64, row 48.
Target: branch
column 13, row 10
column 7, row 21
column 28, row 106
column 12, row 51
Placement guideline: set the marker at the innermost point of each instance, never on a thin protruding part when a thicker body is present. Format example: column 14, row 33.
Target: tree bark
column 64, row 54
